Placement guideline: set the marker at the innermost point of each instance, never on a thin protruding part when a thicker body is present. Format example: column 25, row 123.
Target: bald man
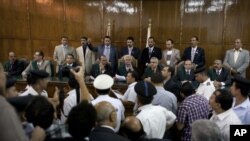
column 106, row 123
column 13, row 67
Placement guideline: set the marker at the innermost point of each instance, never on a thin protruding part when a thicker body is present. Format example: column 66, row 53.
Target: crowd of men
column 173, row 96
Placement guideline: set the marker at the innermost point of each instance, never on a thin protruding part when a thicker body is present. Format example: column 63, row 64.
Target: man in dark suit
column 130, row 49
column 109, row 51
column 103, row 67
column 150, row 51
column 220, row 75
column 64, row 70
column 186, row 73
column 169, row 83
column 106, row 122
column 152, row 68
column 194, row 53
column 13, row 67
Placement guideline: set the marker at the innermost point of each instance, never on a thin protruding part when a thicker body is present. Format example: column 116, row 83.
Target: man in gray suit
column 62, row 50
column 237, row 59
column 170, row 56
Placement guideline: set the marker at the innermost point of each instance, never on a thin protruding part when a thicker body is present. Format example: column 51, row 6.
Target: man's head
column 106, row 114
column 107, row 40
column 130, row 41
column 132, row 128
column 205, row 130
column 157, row 79
column 12, row 56
column 186, row 89
column 200, row 74
column 154, row 62
column 84, row 41
column 38, row 56
column 194, row 41
column 240, row 87
column 187, row 64
column 39, row 78
column 132, row 77
column 217, row 64
column 40, row 112
column 151, row 42
column 81, row 120
column 221, row 100
column 3, row 80
column 127, row 59
column 10, row 88
column 103, row 83
column 167, row 72
column 64, row 40
column 103, row 60
column 145, row 92
column 237, row 44
column 169, row 44
column 69, row 58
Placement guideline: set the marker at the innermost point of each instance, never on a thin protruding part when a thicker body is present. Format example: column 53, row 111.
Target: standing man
column 84, row 55
column 13, row 67
column 130, row 49
column 171, row 56
column 61, row 51
column 237, row 59
column 194, row 53
column 149, row 52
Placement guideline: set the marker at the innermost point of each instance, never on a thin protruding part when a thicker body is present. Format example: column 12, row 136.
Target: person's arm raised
column 79, row 76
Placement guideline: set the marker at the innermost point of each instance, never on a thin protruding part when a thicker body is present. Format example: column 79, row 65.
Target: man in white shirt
column 38, row 81
column 102, row 84
column 155, row 120
column 223, row 115
column 241, row 103
column 206, row 87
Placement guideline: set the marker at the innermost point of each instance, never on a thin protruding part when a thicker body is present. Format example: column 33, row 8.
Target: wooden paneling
column 29, row 25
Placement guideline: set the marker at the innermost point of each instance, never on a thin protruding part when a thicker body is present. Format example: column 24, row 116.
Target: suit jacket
column 123, row 71
column 15, row 69
column 223, row 77
column 135, row 52
column 174, row 59
column 88, row 60
column 95, row 71
column 145, row 55
column 181, row 75
column 199, row 57
column 105, row 134
column 149, row 72
column 33, row 66
column 59, row 55
column 241, row 63
column 112, row 56
column 173, row 87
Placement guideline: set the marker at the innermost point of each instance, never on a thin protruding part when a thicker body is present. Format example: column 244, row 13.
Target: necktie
column 188, row 74
column 192, row 54
column 150, row 52
column 107, row 52
column 218, row 72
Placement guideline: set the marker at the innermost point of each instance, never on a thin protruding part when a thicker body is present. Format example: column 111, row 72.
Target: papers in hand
column 120, row 78
column 117, row 94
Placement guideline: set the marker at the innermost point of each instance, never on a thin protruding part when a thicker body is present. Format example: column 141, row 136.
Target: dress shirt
column 130, row 94
column 130, row 50
column 243, row 111
column 69, row 103
column 106, row 52
column 193, row 50
column 236, row 54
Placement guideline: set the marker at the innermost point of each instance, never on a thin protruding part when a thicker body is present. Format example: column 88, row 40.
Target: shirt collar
column 207, row 81
column 223, row 115
column 245, row 104
column 145, row 107
column 107, row 47
column 109, row 127
column 240, row 49
column 132, row 84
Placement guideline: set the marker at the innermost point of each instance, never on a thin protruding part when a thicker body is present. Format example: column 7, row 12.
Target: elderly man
column 106, row 123
column 237, row 59
column 220, row 75
column 153, row 68
column 103, row 67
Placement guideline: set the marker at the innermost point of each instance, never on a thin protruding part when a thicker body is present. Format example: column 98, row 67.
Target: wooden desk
column 121, row 86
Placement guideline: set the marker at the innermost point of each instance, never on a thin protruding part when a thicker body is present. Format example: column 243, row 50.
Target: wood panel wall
column 29, row 25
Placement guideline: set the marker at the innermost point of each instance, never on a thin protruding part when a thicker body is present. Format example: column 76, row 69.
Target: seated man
column 13, row 67
column 220, row 75
column 153, row 68
column 38, row 64
column 64, row 70
column 186, row 73
column 103, row 67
